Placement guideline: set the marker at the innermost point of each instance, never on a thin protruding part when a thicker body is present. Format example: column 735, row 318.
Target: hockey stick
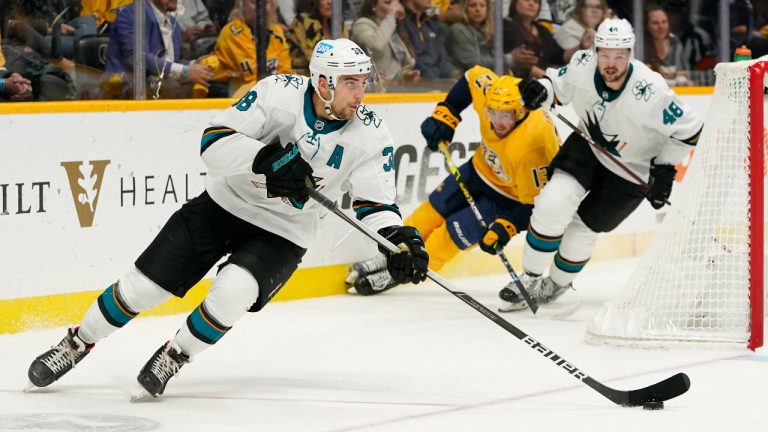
column 642, row 183
column 661, row 391
column 443, row 147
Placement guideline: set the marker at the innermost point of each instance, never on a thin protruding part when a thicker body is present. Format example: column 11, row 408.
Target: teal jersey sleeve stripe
column 211, row 135
column 692, row 141
column 367, row 208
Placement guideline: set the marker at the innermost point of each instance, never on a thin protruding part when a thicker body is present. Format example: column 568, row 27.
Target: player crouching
column 504, row 175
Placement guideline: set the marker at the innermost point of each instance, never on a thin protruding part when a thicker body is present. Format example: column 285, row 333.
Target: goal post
column 701, row 279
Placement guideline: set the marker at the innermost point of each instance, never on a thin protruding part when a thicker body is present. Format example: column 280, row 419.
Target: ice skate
column 373, row 283
column 510, row 297
column 363, row 268
column 549, row 291
column 60, row 359
column 161, row 367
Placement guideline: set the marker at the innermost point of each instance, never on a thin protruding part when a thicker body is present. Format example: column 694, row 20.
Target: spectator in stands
column 287, row 11
column 425, row 38
column 219, row 10
column 742, row 18
column 470, row 37
column 196, row 25
column 758, row 43
column 663, row 50
column 168, row 76
column 312, row 24
column 104, row 11
column 34, row 52
column 552, row 13
column 698, row 50
column 621, row 8
column 233, row 61
column 579, row 30
column 49, row 30
column 446, row 10
column 12, row 85
column 376, row 32
column 530, row 47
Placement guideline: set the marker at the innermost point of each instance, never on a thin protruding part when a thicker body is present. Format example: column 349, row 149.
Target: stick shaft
column 664, row 390
column 443, row 147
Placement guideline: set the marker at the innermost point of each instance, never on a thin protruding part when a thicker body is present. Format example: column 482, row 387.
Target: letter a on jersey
column 335, row 160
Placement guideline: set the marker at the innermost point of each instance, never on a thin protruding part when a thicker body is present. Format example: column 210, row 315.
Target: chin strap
column 328, row 103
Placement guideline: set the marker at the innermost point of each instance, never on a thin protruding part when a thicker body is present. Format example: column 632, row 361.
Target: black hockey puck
column 655, row 405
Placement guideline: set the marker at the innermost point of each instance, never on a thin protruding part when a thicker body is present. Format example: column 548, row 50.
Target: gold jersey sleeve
column 103, row 10
column 516, row 165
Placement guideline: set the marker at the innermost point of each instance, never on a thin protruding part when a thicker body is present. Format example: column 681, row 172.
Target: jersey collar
column 318, row 124
column 606, row 93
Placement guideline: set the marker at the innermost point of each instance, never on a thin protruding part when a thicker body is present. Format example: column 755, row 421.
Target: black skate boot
column 161, row 367
column 60, row 359
column 510, row 297
column 374, row 283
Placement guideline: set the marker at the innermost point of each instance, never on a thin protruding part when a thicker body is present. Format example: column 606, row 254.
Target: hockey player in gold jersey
column 234, row 57
column 507, row 171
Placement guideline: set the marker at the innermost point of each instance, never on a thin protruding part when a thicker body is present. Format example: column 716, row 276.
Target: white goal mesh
column 694, row 282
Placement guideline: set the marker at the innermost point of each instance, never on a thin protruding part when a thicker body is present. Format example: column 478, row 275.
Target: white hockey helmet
column 332, row 58
column 615, row 33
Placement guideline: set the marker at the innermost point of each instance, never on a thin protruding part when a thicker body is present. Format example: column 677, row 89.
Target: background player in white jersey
column 286, row 133
column 629, row 111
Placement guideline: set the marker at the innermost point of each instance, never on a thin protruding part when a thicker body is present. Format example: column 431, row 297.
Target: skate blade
column 29, row 387
column 558, row 310
column 351, row 277
column 142, row 396
column 549, row 311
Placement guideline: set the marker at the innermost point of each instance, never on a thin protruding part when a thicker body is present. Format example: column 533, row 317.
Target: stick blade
column 670, row 388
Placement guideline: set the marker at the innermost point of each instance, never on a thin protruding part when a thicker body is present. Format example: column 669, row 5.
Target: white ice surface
column 412, row 359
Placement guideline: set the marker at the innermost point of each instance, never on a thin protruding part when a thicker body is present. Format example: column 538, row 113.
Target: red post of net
column 757, row 172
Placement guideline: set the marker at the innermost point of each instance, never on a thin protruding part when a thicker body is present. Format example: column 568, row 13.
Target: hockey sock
column 538, row 250
column 233, row 292
column 441, row 248
column 564, row 271
column 119, row 304
column 573, row 253
column 425, row 219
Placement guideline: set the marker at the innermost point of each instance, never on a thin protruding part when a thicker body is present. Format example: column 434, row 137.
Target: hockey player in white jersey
column 629, row 111
column 286, row 133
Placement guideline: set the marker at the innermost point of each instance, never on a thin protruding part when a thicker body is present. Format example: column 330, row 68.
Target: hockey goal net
column 701, row 279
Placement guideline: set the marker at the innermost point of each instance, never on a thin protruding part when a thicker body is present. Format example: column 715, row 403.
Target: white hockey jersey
column 356, row 155
column 642, row 120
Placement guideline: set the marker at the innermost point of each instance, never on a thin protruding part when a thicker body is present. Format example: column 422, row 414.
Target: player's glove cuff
column 440, row 126
column 498, row 234
column 444, row 113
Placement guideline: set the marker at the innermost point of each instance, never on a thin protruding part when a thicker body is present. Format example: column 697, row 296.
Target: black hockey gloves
column 440, row 126
column 533, row 93
column 410, row 265
column 662, row 178
column 498, row 234
column 287, row 173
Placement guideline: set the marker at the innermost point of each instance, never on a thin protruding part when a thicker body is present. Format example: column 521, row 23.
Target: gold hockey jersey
column 516, row 165
column 235, row 54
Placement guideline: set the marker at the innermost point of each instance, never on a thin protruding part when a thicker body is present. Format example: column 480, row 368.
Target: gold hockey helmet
column 503, row 95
